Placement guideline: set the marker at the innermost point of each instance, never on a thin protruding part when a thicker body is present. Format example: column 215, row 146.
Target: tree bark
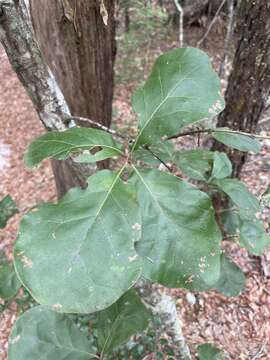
column 249, row 83
column 77, row 39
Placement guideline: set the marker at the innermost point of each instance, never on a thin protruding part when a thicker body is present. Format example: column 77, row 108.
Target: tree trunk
column 127, row 19
column 77, row 39
column 249, row 83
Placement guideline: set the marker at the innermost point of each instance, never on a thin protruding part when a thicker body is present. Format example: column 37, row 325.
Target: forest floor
column 238, row 325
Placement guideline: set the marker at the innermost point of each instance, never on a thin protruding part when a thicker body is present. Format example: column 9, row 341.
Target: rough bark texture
column 249, row 83
column 78, row 42
column 80, row 50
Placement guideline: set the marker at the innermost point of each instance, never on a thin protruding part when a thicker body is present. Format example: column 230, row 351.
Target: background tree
column 193, row 10
column 249, row 83
column 77, row 39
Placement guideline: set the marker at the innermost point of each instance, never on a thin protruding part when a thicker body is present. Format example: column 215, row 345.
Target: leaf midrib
column 156, row 201
column 101, row 206
column 159, row 106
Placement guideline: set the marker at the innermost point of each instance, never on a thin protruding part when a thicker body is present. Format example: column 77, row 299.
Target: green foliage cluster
column 85, row 253
column 9, row 283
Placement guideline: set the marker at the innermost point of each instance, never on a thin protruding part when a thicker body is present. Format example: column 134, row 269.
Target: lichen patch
column 26, row 262
column 136, row 226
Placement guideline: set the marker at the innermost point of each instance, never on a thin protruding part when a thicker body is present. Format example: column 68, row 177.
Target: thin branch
column 211, row 24
column 210, row 131
column 265, row 120
column 163, row 306
column 96, row 125
column 229, row 237
column 228, row 37
column 186, row 133
column 267, row 106
column 181, row 22
column 158, row 158
column 242, row 133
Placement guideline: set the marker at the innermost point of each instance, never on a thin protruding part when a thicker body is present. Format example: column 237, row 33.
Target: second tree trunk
column 79, row 48
column 249, row 83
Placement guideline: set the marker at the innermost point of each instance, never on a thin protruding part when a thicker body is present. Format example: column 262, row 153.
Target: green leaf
column 44, row 334
column 237, row 141
column 253, row 236
column 232, row 279
column 78, row 256
column 9, row 283
column 119, row 322
column 181, row 90
column 230, row 221
column 209, row 352
column 199, row 164
column 8, row 208
column 196, row 164
column 98, row 156
column 164, row 150
column 222, row 167
column 59, row 145
column 180, row 240
column 240, row 196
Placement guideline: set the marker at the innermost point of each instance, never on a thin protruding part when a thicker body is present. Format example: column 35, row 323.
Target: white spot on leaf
column 15, row 340
column 132, row 258
column 26, row 262
column 136, row 226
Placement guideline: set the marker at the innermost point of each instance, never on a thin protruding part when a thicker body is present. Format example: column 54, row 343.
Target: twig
column 228, row 237
column 96, row 125
column 181, row 22
column 228, row 36
column 265, row 120
column 158, row 158
column 186, row 133
column 211, row 24
column 267, row 107
column 210, row 131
